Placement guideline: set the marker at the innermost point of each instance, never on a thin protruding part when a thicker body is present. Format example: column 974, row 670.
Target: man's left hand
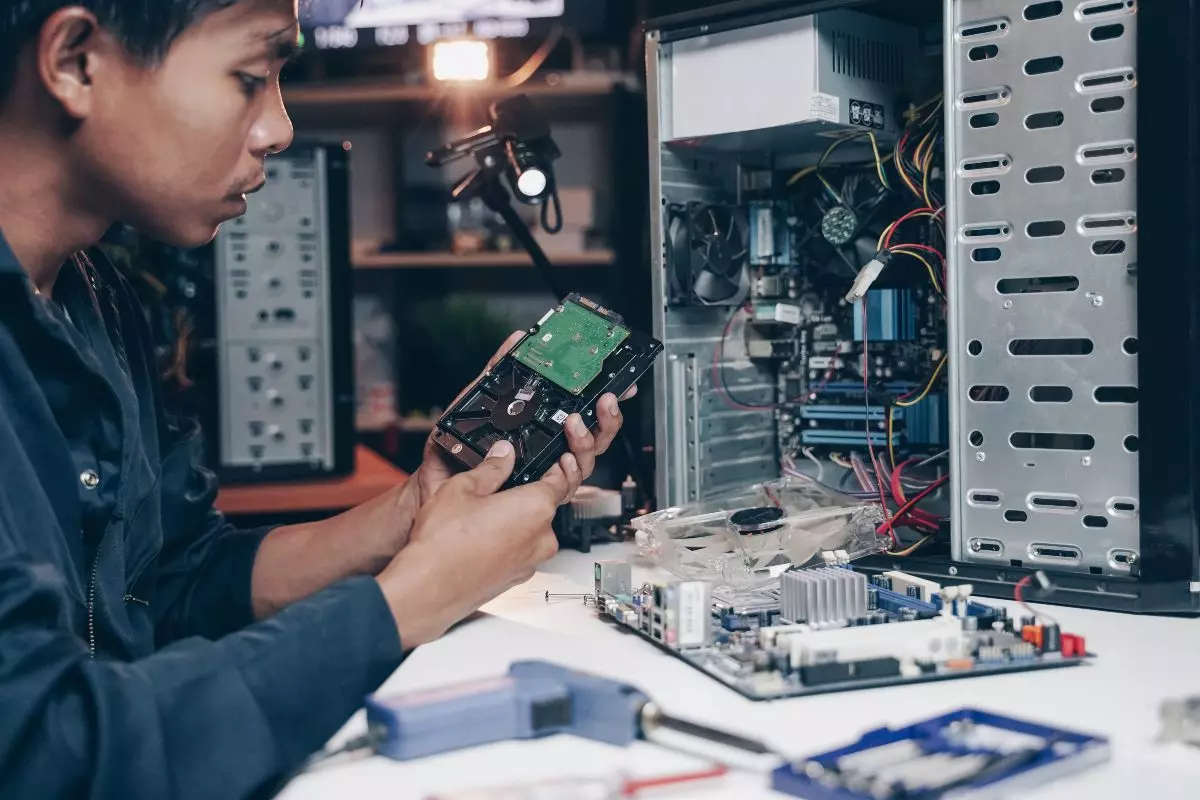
column 585, row 445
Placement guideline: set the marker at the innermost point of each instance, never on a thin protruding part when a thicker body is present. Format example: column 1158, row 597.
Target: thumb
column 493, row 471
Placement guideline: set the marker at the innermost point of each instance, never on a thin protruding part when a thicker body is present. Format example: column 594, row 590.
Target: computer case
column 1087, row 468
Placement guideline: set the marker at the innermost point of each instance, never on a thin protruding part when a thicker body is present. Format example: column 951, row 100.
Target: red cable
column 632, row 786
column 715, row 372
column 888, row 525
column 887, row 243
column 914, row 517
column 926, row 248
column 1021, row 584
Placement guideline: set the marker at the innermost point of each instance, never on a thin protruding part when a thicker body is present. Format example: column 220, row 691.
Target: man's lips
column 254, row 188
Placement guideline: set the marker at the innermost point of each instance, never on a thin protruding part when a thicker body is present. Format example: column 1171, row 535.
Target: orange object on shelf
column 373, row 475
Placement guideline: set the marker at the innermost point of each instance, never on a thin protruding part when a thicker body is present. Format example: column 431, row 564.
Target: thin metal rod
column 653, row 718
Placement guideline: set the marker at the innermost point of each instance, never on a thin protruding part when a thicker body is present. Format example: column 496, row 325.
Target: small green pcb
column 571, row 346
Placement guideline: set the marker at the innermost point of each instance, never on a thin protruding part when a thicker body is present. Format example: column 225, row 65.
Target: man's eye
column 252, row 84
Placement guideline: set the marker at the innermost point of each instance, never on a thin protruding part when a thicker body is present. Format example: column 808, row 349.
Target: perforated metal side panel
column 1042, row 213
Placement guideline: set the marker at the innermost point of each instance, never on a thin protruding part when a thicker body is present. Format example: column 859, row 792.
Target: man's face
column 176, row 146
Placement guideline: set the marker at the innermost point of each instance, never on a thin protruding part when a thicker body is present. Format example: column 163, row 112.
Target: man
column 148, row 649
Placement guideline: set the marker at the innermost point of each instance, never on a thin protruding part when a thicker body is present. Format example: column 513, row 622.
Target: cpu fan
column 844, row 229
column 707, row 254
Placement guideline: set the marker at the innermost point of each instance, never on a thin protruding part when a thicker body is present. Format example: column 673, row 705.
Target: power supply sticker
column 825, row 107
column 867, row 115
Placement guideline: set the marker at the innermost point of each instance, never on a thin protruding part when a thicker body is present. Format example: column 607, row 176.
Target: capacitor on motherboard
column 872, row 598
column 1051, row 639
column 908, row 614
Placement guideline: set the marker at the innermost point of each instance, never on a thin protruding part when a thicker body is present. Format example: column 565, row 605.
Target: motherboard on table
column 830, row 628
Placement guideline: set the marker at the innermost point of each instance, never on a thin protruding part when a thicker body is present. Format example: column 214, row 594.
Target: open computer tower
column 1011, row 326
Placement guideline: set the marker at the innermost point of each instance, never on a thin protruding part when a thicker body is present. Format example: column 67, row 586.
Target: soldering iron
column 534, row 700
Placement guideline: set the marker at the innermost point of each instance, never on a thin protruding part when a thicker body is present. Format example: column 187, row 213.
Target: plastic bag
column 745, row 539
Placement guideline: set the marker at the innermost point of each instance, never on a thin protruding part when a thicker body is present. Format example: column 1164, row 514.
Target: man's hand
column 585, row 445
column 471, row 544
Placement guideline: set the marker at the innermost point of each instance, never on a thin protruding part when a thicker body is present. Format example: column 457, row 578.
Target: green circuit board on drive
column 571, row 345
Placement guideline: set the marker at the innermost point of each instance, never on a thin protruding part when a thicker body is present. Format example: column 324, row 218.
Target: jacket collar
column 8, row 260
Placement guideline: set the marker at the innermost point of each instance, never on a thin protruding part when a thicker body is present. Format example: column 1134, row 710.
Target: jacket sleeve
column 198, row 719
column 206, row 563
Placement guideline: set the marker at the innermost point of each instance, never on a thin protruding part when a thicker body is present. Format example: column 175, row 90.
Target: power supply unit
column 827, row 72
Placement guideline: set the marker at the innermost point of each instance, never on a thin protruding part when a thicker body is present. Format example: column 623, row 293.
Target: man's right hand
column 471, row 543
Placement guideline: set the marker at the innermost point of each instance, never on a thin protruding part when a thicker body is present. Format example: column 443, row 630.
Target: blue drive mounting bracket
column 964, row 754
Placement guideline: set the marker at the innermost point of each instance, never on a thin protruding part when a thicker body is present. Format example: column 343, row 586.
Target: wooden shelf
column 373, row 476
column 423, row 426
column 377, row 260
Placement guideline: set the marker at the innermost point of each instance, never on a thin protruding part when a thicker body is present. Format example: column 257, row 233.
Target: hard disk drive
column 577, row 352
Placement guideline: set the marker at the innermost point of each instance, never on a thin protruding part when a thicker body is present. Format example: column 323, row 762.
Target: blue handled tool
column 536, row 699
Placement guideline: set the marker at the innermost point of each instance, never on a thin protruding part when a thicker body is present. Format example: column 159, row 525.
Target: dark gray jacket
column 130, row 664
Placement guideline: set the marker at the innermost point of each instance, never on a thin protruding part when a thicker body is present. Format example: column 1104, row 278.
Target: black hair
column 147, row 28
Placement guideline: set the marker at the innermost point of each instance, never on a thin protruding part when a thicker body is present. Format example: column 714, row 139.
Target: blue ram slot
column 896, row 388
column 927, row 422
column 892, row 602
column 891, row 316
column 844, row 438
column 844, row 412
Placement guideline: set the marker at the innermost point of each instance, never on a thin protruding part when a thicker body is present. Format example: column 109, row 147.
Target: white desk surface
column 1140, row 662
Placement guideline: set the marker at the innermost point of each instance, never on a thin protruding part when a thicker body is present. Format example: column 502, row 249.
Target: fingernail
column 501, row 449
column 614, row 408
column 570, row 463
column 577, row 426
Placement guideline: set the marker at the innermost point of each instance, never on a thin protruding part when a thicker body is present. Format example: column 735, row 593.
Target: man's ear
column 71, row 48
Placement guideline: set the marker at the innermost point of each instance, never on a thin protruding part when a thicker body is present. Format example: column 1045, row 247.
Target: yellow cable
column 801, row 175
column 838, row 143
column 926, row 170
column 831, row 190
column 912, row 549
column 891, row 449
column 924, row 212
column 841, row 462
column 878, row 161
column 937, row 287
column 806, row 171
column 912, row 187
column 928, row 386
column 914, row 112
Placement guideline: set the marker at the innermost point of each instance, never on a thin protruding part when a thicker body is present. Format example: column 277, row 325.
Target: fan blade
column 714, row 288
column 864, row 249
